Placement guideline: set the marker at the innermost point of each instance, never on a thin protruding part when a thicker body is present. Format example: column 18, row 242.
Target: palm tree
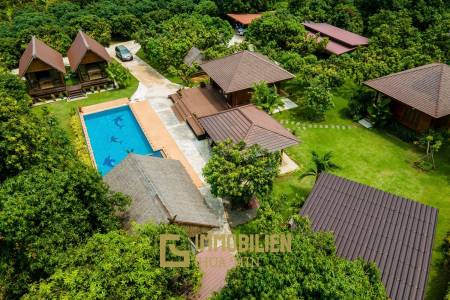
column 321, row 164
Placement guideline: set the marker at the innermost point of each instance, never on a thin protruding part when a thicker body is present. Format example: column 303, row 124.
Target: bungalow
column 231, row 81
column 393, row 232
column 43, row 69
column 421, row 96
column 162, row 192
column 243, row 20
column 89, row 59
column 340, row 41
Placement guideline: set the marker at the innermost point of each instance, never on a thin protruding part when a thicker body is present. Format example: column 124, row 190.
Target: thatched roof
column 160, row 190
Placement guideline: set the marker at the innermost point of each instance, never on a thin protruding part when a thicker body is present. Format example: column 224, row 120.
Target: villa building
column 421, row 96
column 340, row 41
column 231, row 81
column 88, row 59
column 43, row 69
column 393, row 232
column 162, row 192
column 243, row 20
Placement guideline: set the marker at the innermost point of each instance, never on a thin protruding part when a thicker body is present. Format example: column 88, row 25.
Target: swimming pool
column 113, row 134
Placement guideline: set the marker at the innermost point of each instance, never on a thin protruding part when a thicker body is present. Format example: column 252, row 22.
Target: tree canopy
column 118, row 265
column 311, row 270
column 239, row 172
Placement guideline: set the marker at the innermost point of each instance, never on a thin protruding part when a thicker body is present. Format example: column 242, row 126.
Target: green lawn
column 63, row 110
column 374, row 158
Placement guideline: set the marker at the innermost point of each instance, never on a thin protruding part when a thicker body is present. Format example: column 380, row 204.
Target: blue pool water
column 113, row 134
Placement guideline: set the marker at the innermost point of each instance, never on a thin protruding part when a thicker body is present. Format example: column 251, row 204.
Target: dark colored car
column 123, row 53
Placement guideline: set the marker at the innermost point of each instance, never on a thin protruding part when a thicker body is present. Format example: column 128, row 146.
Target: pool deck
column 160, row 138
column 153, row 128
column 103, row 106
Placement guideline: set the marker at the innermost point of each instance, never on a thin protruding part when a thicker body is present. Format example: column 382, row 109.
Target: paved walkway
column 154, row 89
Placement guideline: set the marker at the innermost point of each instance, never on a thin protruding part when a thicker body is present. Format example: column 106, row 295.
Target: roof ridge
column 237, row 67
column 431, row 65
column 253, row 124
column 268, row 60
column 83, row 38
column 139, row 168
column 33, row 46
column 436, row 109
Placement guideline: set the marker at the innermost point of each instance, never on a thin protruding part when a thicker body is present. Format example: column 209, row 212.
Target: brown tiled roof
column 394, row 232
column 243, row 69
column 332, row 46
column 249, row 124
column 341, row 36
column 426, row 88
column 244, row 19
column 214, row 274
column 37, row 49
column 80, row 46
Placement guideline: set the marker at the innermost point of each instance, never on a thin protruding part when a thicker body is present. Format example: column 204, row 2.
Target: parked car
column 123, row 53
column 241, row 31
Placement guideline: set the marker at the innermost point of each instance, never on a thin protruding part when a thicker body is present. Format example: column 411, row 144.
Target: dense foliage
column 311, row 270
column 43, row 212
column 266, row 97
column 118, row 265
column 238, row 172
column 171, row 40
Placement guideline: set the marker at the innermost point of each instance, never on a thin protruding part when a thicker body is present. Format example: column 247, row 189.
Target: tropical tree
column 184, row 72
column 322, row 163
column 45, row 211
column 118, row 74
column 317, row 101
column 265, row 97
column 380, row 111
column 118, row 265
column 311, row 270
column 238, row 172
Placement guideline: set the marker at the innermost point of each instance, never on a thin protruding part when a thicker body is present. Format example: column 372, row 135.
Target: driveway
column 155, row 88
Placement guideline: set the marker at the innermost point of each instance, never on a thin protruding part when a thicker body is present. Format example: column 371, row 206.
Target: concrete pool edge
column 154, row 131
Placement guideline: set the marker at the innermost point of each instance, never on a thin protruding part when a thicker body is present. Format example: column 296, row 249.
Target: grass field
column 374, row 158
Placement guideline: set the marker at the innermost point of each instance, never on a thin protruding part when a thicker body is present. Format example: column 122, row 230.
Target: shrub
column 81, row 149
column 380, row 112
column 118, row 74
column 317, row 101
column 265, row 97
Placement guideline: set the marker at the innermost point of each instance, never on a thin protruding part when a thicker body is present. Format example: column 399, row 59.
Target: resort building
column 249, row 124
column 340, row 41
column 393, row 232
column 162, row 192
column 421, row 96
column 43, row 69
column 231, row 81
column 243, row 20
column 88, row 59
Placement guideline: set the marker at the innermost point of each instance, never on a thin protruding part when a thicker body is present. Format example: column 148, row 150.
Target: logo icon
column 164, row 240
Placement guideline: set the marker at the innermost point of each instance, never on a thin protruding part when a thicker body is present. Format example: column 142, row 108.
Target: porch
column 193, row 103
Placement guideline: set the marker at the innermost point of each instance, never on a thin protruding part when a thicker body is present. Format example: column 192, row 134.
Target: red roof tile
column 244, row 19
column 214, row 264
column 37, row 49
